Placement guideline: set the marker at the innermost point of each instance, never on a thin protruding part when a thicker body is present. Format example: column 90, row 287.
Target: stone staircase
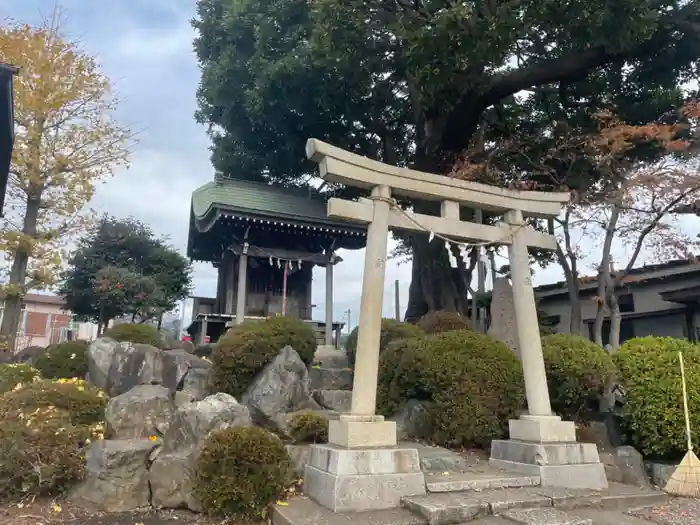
column 460, row 491
column 331, row 381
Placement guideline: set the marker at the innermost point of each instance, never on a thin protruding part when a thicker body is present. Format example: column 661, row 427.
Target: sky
column 145, row 47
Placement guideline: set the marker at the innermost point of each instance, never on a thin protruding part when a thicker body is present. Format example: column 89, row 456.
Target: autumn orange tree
column 66, row 142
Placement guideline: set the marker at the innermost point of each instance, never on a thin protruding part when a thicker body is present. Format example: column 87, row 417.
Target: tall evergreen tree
column 418, row 83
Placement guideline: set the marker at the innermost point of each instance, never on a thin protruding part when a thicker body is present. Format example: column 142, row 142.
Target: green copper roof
column 254, row 199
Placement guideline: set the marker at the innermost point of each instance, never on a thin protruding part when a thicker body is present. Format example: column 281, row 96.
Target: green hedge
column 135, row 333
column 245, row 350
column 64, row 360
column 653, row 411
column 392, row 330
column 471, row 384
column 240, row 472
column 12, row 375
column 578, row 370
column 443, row 321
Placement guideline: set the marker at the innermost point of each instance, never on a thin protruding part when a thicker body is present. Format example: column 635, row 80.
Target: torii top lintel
column 338, row 165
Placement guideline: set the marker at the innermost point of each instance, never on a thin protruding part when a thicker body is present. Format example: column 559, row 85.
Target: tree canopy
column 121, row 268
column 66, row 142
column 418, row 83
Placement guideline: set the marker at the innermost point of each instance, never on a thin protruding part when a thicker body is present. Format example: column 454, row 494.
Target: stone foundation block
column 345, row 480
column 583, row 476
column 542, row 429
column 544, row 453
column 357, row 432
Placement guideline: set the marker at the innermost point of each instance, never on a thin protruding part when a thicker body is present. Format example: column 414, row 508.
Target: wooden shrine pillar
column 242, row 285
column 329, row 299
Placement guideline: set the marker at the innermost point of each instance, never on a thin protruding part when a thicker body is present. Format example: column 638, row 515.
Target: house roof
column 44, row 299
column 647, row 274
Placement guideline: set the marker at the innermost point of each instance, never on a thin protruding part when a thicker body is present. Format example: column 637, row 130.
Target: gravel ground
column 52, row 512
column 675, row 512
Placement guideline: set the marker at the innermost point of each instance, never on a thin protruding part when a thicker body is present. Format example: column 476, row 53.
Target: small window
column 626, row 303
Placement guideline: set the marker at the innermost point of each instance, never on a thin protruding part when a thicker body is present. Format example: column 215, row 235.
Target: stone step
column 332, row 360
column 458, row 507
column 321, row 378
column 336, row 400
column 459, row 482
column 544, row 517
column 303, row 511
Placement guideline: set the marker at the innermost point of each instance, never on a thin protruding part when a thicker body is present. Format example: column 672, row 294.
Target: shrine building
column 264, row 240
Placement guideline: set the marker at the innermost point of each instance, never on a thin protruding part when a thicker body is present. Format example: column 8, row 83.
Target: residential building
column 658, row 299
column 45, row 322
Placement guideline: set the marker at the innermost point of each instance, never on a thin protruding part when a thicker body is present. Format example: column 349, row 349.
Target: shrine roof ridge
column 338, row 165
column 256, row 199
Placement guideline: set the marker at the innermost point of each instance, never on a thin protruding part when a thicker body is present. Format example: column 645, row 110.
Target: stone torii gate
column 361, row 444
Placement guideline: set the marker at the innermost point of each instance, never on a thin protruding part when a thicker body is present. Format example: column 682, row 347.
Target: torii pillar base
column 546, row 446
column 361, row 468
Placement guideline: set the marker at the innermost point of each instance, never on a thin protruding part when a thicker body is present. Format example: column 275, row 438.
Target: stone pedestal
column 546, row 446
column 361, row 468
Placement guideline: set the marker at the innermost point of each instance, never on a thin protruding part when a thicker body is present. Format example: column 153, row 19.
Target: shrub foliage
column 240, row 472
column 442, row 321
column 12, row 375
column 578, row 370
column 135, row 333
column 470, row 383
column 44, row 427
column 73, row 400
column 64, row 360
column 650, row 372
column 307, row 427
column 392, row 330
column 245, row 349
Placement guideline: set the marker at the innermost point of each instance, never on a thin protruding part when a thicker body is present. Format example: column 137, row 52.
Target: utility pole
column 348, row 316
column 397, row 304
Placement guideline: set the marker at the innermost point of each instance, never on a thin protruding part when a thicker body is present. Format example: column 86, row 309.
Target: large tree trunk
column 18, row 275
column 615, row 321
column 569, row 264
column 604, row 274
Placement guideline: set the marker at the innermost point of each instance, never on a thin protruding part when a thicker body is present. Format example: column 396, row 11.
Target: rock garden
column 124, row 424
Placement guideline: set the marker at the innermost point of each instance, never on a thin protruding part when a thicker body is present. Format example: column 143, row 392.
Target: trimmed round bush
column 245, row 349
column 653, row 411
column 578, row 370
column 470, row 384
column 307, row 427
column 12, row 375
column 135, row 333
column 41, row 459
column 64, row 360
column 72, row 401
column 392, row 330
column 442, row 321
column 240, row 472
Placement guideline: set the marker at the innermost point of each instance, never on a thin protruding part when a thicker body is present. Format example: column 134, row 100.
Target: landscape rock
column 410, row 420
column 612, row 469
column 117, row 476
column 282, row 386
column 99, row 356
column 330, row 378
column 194, row 421
column 299, row 456
column 134, row 364
column 660, row 472
column 196, row 382
column 177, row 364
column 502, row 312
column 337, row 400
column 143, row 411
column 170, row 477
column 183, row 398
column 631, row 465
